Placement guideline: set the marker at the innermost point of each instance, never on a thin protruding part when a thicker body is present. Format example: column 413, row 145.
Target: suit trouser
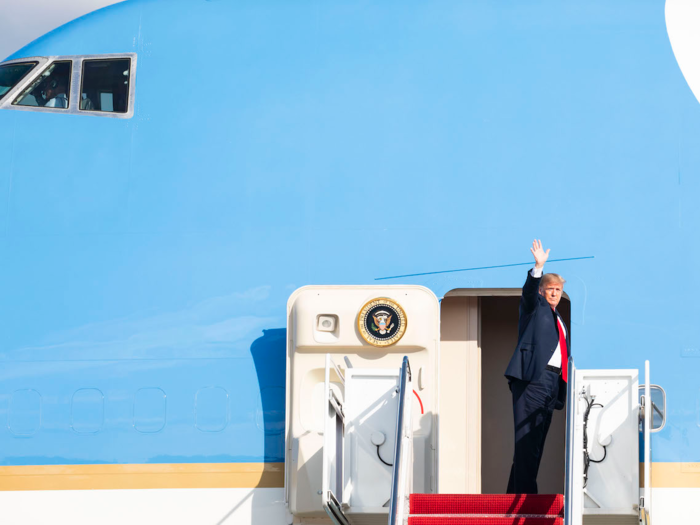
column 533, row 404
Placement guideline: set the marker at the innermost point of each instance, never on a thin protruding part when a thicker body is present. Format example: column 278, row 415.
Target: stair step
column 490, row 520
column 509, row 504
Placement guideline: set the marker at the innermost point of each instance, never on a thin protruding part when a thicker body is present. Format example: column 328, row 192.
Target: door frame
column 460, row 372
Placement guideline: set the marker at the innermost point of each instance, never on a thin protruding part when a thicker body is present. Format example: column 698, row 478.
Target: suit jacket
column 538, row 337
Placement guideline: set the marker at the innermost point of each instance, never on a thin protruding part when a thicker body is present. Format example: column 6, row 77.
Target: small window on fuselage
column 11, row 74
column 50, row 90
column 105, row 85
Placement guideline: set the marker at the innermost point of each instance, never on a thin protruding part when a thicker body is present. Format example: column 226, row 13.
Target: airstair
column 376, row 459
column 406, row 508
column 603, row 502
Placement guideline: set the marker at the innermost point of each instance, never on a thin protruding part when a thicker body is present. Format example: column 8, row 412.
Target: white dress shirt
column 556, row 356
column 59, row 101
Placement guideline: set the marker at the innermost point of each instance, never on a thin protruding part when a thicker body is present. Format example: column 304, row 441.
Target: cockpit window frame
column 75, row 87
column 130, row 80
column 33, row 63
column 22, row 94
column 40, row 62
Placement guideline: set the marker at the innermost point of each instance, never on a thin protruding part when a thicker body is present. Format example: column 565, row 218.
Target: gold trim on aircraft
column 672, row 475
column 225, row 475
column 146, row 476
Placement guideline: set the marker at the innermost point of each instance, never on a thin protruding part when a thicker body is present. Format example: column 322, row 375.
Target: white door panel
column 607, row 432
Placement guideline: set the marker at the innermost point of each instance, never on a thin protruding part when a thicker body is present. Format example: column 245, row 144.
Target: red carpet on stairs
column 514, row 520
column 486, row 509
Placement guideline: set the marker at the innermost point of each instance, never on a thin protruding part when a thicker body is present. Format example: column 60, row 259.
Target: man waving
column 537, row 372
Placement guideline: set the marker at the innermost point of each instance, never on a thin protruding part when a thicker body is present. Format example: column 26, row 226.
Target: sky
column 25, row 20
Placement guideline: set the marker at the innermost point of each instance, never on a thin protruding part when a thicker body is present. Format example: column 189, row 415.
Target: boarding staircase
column 408, row 508
column 470, row 509
column 482, row 509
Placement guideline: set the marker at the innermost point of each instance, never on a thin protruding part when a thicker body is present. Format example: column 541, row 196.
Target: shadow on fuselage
column 268, row 354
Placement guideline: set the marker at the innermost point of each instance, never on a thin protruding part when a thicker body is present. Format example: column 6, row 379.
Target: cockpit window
column 51, row 89
column 105, row 85
column 94, row 85
column 11, row 74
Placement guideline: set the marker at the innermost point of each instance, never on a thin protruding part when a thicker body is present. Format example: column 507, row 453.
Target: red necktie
column 562, row 346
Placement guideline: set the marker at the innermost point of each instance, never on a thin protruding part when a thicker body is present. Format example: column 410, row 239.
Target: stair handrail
column 570, row 422
column 399, row 477
column 648, row 426
column 333, row 432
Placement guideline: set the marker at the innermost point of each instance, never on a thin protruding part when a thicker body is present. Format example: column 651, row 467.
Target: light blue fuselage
column 280, row 144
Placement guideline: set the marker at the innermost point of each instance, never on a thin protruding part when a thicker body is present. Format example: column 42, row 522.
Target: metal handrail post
column 570, row 422
column 648, row 421
column 396, row 475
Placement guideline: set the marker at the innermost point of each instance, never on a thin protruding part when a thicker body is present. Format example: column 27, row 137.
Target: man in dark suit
column 537, row 372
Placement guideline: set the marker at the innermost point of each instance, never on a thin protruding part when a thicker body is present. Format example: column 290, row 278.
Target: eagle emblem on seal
column 381, row 322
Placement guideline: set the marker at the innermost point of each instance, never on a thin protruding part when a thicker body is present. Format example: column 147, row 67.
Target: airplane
column 202, row 197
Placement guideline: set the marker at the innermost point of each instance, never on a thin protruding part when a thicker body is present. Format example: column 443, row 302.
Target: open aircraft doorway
column 479, row 330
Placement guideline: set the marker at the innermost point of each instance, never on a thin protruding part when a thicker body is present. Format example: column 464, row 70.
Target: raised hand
column 540, row 255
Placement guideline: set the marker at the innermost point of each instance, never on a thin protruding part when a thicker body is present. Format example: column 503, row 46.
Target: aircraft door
column 609, row 415
column 345, row 347
column 605, row 446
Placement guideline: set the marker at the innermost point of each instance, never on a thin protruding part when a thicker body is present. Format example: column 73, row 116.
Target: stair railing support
column 569, row 512
column 400, row 482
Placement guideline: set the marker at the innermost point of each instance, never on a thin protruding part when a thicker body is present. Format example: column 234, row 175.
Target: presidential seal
column 381, row 322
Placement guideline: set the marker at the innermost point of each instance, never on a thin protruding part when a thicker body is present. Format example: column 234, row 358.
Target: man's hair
column 551, row 277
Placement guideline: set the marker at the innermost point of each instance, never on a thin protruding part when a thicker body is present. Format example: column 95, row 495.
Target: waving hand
column 540, row 255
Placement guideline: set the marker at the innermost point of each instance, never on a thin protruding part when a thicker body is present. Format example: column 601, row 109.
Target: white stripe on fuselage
column 136, row 507
column 670, row 506
column 674, row 506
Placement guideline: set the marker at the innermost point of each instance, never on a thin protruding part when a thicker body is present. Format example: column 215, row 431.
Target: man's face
column 51, row 91
column 552, row 292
